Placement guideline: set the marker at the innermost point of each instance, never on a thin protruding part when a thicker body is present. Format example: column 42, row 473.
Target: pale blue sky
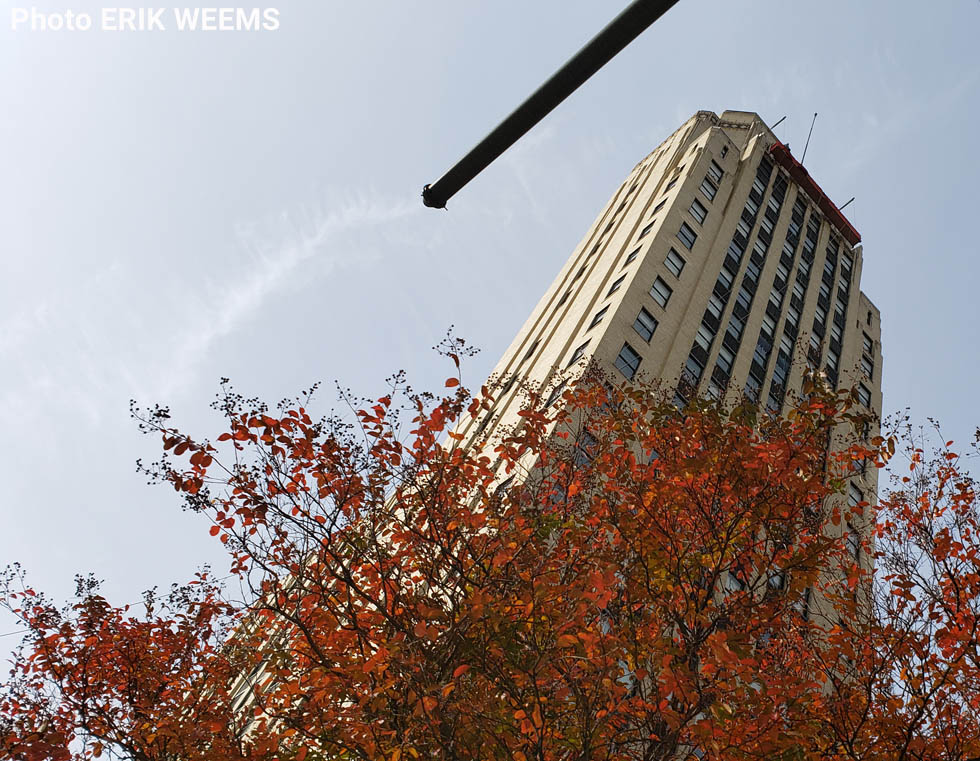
column 179, row 207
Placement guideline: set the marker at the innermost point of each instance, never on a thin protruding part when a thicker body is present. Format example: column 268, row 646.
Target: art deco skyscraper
column 720, row 267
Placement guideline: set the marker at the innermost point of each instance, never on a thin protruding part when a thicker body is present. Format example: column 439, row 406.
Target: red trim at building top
column 785, row 159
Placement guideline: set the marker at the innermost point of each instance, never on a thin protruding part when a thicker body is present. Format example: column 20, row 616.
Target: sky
column 178, row 207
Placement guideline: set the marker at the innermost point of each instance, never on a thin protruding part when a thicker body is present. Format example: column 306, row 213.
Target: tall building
column 720, row 267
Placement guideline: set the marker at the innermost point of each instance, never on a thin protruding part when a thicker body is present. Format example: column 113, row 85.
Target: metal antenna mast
column 619, row 33
column 808, row 136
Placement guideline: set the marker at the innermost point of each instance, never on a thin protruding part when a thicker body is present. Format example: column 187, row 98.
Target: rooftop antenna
column 773, row 127
column 808, row 137
column 842, row 207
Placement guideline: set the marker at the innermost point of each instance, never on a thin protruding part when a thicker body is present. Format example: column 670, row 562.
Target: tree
column 610, row 580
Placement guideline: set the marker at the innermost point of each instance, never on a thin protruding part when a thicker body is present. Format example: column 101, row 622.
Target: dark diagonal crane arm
column 619, row 33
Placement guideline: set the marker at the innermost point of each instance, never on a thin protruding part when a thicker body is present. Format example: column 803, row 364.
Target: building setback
column 718, row 267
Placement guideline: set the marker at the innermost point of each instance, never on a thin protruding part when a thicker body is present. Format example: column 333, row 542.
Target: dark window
column 715, row 172
column 854, row 494
column 628, row 361
column 555, row 393
column 867, row 365
column 647, row 229
column 864, row 395
column 615, row 286
column 698, row 211
column 868, row 344
column 854, row 543
column 709, row 189
column 675, row 262
column 734, row 581
column 564, row 297
column 661, row 292
column 645, row 324
column 658, row 207
column 725, row 359
column 577, row 354
column 598, row 318
column 671, row 184
column 580, row 272
column 585, row 449
column 530, row 351
column 724, row 151
column 686, row 235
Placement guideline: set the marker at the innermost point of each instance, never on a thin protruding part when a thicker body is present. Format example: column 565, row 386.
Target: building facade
column 718, row 267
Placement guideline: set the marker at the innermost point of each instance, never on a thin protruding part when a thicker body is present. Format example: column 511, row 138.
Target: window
column 577, row 354
column 868, row 345
column 645, row 325
column 671, row 184
column 661, row 292
column 704, row 337
column 715, row 306
column 686, row 235
column 598, row 317
column 585, row 449
column 615, row 286
column 725, row 359
column 530, row 351
column 658, row 207
column 693, row 369
column 734, row 582
column 698, row 211
column 854, row 494
column 628, row 361
column 864, row 395
column 580, row 272
column 555, row 393
column 867, row 366
column 735, row 326
column 564, row 297
column 803, row 606
column 768, row 326
column 674, row 262
column 709, row 189
column 647, row 229
column 776, row 580
column 724, row 151
column 632, row 256
column 833, row 358
column 715, row 172
column 854, row 543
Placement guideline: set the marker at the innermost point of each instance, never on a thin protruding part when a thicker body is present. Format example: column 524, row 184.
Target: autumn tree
column 611, row 579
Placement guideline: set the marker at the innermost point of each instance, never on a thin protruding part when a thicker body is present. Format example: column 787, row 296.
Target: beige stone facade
column 746, row 272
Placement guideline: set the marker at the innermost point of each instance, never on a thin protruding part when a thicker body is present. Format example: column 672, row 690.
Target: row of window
column 767, row 333
column 724, row 286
